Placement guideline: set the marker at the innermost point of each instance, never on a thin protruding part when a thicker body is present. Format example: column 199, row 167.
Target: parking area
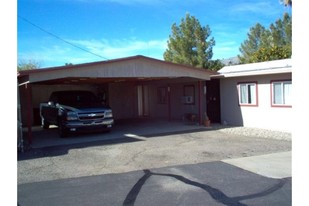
column 131, row 128
column 138, row 145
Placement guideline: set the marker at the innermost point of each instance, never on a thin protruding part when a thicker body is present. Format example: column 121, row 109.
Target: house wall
column 261, row 116
column 177, row 107
column 123, row 100
column 156, row 109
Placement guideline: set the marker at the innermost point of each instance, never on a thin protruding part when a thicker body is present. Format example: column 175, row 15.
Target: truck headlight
column 72, row 116
column 109, row 113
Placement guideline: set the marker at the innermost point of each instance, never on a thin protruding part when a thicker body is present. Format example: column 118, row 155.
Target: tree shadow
column 215, row 193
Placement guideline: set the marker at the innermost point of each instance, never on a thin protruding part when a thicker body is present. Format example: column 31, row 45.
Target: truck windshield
column 78, row 99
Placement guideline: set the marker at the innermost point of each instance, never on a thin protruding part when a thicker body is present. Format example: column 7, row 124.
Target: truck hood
column 86, row 109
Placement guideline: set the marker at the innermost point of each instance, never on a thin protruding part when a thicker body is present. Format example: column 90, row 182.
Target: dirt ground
column 141, row 152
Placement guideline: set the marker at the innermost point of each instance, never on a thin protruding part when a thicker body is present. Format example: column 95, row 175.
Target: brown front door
column 213, row 100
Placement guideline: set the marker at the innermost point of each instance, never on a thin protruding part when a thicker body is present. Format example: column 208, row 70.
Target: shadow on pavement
column 216, row 194
column 51, row 151
column 46, row 143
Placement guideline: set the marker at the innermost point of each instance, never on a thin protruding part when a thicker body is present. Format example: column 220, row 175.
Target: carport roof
column 123, row 69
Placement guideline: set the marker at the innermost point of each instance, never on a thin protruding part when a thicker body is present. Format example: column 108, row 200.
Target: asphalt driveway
column 212, row 183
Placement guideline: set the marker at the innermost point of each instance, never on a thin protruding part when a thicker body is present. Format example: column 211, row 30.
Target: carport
column 134, row 87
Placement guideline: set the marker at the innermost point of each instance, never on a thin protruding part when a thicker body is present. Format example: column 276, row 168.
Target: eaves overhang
column 254, row 73
column 253, row 69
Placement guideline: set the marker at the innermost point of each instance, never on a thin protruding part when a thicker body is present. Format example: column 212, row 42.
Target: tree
column 252, row 43
column 215, row 65
column 268, row 44
column 28, row 65
column 281, row 31
column 188, row 43
column 271, row 53
column 286, row 2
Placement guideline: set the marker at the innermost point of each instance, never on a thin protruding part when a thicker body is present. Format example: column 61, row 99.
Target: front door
column 213, row 100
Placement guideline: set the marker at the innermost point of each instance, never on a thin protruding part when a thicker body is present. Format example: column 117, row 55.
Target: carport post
column 169, row 102
column 29, row 111
column 200, row 93
column 20, row 139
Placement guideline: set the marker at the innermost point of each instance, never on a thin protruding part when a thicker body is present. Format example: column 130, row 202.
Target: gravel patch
column 258, row 132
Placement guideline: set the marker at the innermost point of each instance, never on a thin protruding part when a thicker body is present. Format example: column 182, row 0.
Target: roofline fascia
column 253, row 73
column 48, row 69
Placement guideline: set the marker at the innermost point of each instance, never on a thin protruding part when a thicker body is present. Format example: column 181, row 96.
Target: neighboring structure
column 230, row 61
column 134, row 87
column 257, row 95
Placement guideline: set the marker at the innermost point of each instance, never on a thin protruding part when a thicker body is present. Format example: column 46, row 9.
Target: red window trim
column 271, row 94
column 256, row 92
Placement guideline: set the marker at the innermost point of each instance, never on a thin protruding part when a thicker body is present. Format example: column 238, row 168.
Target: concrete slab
column 277, row 165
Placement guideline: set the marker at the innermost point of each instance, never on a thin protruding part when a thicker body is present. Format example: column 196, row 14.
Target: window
column 281, row 93
column 162, row 95
column 247, row 93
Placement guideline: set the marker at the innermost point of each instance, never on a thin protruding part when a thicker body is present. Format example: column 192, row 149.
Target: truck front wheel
column 45, row 124
column 62, row 131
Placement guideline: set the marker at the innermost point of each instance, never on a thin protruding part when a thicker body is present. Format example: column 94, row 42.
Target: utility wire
column 59, row 38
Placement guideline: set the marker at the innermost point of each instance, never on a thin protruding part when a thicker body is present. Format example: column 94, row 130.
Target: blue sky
column 111, row 29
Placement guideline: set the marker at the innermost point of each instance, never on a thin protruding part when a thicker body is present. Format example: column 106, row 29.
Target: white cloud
column 51, row 56
column 260, row 7
column 127, row 2
column 109, row 49
column 122, row 48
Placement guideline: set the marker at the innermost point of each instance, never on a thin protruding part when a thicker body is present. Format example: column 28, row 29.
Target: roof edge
column 257, row 66
column 46, row 69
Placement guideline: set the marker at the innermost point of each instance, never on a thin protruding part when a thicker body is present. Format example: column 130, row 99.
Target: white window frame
column 247, row 93
column 282, row 95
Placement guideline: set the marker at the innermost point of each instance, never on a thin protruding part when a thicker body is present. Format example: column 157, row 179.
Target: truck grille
column 91, row 116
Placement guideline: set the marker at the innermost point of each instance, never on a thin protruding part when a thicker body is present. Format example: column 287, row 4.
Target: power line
column 59, row 38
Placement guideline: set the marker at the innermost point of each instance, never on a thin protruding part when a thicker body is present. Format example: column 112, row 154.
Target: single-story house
column 257, row 95
column 134, row 87
column 251, row 95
